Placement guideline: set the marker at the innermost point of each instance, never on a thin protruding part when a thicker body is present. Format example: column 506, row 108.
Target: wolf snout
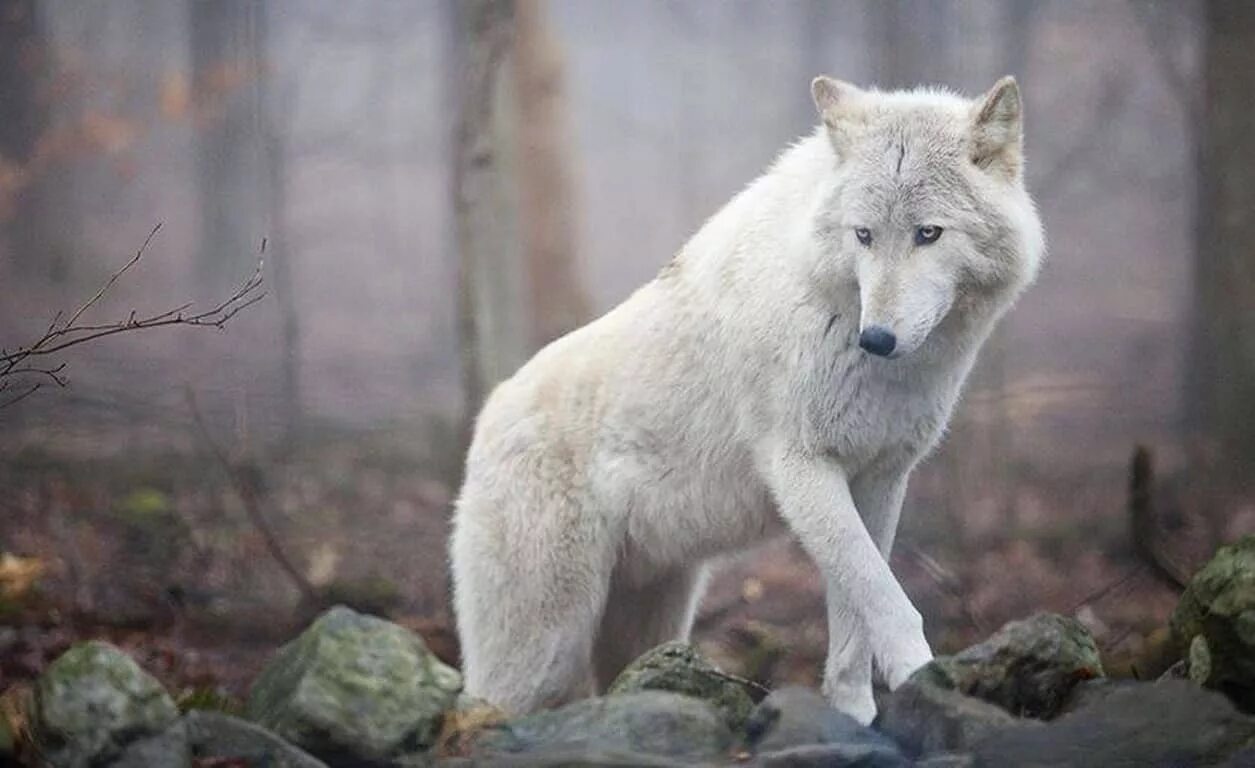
column 877, row 340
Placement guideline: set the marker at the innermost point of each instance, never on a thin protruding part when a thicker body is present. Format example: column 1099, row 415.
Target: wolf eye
column 864, row 235
column 927, row 234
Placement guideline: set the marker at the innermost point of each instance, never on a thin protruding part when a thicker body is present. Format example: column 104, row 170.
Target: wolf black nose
column 877, row 340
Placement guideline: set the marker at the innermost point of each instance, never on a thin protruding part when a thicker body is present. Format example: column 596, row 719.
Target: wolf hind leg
column 528, row 597
column 640, row 617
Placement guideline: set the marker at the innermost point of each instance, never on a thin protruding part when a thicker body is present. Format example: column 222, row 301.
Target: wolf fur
column 731, row 394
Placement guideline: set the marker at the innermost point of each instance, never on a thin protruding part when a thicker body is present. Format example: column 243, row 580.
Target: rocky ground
column 355, row 690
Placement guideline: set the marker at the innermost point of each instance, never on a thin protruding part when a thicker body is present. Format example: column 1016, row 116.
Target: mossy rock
column 679, row 668
column 354, row 688
column 1028, row 667
column 647, row 723
column 925, row 719
column 1215, row 621
column 95, row 701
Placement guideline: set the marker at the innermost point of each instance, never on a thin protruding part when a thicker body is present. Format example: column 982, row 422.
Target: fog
column 321, row 137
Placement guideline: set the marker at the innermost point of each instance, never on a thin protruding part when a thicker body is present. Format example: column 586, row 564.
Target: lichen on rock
column 679, row 668
column 649, row 723
column 354, row 688
column 93, row 702
column 1214, row 623
column 1028, row 667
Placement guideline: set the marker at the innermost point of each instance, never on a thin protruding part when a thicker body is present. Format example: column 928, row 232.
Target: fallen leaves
column 19, row 575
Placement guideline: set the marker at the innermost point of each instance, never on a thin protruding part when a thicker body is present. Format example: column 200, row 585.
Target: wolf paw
column 902, row 658
column 853, row 699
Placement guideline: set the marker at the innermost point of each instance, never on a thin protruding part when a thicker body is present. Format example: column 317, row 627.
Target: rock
column 947, row 760
column 790, row 720
column 1090, row 692
column 924, row 719
column 829, row 756
column 678, row 667
column 1169, row 723
column 221, row 736
column 354, row 688
column 655, row 723
column 1218, row 605
column 168, row 749
column 566, row 758
column 1028, row 667
column 1179, row 670
column 93, row 702
column 1243, row 759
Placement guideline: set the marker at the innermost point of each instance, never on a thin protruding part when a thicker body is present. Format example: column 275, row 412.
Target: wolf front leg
column 870, row 618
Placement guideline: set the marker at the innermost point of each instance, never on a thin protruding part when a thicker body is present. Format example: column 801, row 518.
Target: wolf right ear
column 838, row 103
column 997, row 133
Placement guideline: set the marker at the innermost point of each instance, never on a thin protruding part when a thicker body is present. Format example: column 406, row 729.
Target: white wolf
column 793, row 363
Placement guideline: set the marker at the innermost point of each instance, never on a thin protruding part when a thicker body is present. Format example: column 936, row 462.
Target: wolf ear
column 997, row 135
column 838, row 105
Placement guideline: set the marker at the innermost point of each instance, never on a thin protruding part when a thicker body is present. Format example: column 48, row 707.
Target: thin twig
column 23, row 396
column 1107, row 589
column 949, row 584
column 61, row 335
column 114, row 277
column 252, row 505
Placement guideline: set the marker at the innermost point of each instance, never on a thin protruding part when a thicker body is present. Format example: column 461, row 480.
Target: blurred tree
column 241, row 169
column 487, row 220
column 226, row 49
column 36, row 231
column 547, row 204
column 1223, row 348
column 817, row 19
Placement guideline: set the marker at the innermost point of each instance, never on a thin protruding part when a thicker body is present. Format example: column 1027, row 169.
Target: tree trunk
column 241, row 173
column 271, row 106
column 558, row 302
column 39, row 235
column 493, row 330
column 225, row 65
column 1223, row 349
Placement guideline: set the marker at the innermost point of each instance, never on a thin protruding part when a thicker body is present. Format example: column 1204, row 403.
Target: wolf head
column 928, row 207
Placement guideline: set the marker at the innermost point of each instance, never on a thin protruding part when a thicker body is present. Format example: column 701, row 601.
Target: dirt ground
column 160, row 556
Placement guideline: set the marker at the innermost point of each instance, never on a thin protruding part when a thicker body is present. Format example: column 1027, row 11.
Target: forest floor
column 160, row 556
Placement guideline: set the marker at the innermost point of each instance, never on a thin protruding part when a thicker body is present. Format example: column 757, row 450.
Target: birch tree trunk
column 491, row 321
column 558, row 301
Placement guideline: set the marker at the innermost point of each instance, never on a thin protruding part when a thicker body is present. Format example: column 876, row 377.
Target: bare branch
column 114, row 277
column 52, row 373
column 252, row 505
column 23, row 396
column 61, row 335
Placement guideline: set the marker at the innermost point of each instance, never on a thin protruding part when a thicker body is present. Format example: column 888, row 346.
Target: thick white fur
column 730, row 394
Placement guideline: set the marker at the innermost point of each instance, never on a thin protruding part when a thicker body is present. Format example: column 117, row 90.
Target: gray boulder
column 797, row 726
column 1091, row 692
column 354, row 689
column 647, row 723
column 168, row 749
column 1028, row 667
column 1214, row 623
column 1166, row 724
column 93, row 702
column 924, row 719
column 221, row 736
column 678, row 667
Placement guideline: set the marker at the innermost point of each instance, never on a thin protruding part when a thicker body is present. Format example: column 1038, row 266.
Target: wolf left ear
column 997, row 135
column 838, row 105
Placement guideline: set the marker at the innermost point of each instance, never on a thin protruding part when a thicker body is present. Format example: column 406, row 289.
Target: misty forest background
column 442, row 186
